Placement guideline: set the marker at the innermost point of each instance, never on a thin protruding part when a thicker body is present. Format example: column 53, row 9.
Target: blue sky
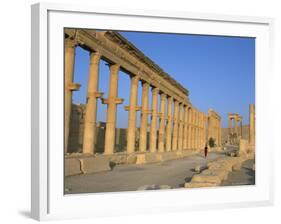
column 218, row 71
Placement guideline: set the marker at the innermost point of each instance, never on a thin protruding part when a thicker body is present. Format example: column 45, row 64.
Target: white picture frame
column 48, row 201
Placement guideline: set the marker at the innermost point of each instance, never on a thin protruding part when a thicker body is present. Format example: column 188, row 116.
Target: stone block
column 168, row 156
column 222, row 174
column 151, row 157
column 197, row 169
column 72, row 166
column 236, row 166
column 243, row 145
column 118, row 159
column 95, row 164
column 197, row 185
column 132, row 159
column 206, row 178
column 140, row 159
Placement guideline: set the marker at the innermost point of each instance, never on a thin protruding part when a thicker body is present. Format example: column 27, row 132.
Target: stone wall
column 75, row 143
column 245, row 133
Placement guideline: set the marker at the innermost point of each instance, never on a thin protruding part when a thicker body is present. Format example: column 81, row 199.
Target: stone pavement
column 173, row 173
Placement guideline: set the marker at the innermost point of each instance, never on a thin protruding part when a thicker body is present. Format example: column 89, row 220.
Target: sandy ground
column 130, row 177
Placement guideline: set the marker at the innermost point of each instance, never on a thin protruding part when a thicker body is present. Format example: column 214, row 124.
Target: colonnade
column 234, row 128
column 214, row 126
column 174, row 124
column 197, row 129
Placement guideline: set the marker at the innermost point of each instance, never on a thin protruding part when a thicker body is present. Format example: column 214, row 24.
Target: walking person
column 206, row 151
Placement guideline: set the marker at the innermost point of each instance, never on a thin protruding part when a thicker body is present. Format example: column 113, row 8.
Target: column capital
column 95, row 94
column 73, row 86
column 112, row 100
column 114, row 67
column 155, row 90
column 136, row 108
column 94, row 57
column 70, row 43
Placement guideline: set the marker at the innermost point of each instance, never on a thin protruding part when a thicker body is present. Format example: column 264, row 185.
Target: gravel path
column 130, row 177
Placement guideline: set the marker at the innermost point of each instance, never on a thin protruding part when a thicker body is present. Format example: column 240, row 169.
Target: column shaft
column 181, row 121
column 169, row 124
column 161, row 138
column 189, row 146
column 185, row 129
column 69, row 52
column 111, row 110
column 252, row 124
column 176, row 126
column 144, row 115
column 91, row 105
column 131, row 131
column 153, row 125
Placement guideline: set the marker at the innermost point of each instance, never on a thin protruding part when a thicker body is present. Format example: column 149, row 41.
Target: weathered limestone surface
column 111, row 102
column 69, row 86
column 161, row 137
column 153, row 126
column 176, row 126
column 95, row 164
column 91, row 105
column 252, row 125
column 133, row 108
column 217, row 171
column 169, row 125
column 214, row 126
column 144, row 116
column 178, row 129
column 72, row 166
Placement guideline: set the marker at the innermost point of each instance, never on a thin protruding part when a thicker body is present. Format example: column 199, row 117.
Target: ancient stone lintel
column 112, row 100
column 100, row 42
column 73, row 86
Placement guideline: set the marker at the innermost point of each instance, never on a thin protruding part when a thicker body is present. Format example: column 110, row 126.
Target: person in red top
column 206, row 150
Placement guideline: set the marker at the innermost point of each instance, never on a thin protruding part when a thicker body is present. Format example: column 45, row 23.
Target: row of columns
column 180, row 127
column 233, row 126
column 197, row 129
column 214, row 129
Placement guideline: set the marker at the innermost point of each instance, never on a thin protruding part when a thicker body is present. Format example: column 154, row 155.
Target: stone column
column 91, row 105
column 144, row 114
column 161, row 139
column 195, row 130
column 200, row 131
column 235, row 126
column 185, row 129
column 180, row 135
column 176, row 126
column 193, row 137
column 169, row 124
column 69, row 86
column 219, row 135
column 241, row 129
column 229, row 126
column 189, row 128
column 252, row 124
column 111, row 102
column 153, row 125
column 132, row 108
